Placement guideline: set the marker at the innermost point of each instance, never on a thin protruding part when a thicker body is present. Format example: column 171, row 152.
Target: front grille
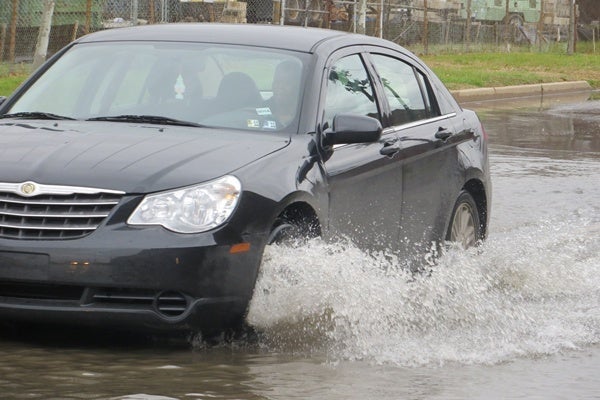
column 167, row 304
column 54, row 216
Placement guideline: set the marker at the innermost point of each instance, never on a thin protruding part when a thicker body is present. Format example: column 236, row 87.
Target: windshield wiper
column 149, row 119
column 35, row 115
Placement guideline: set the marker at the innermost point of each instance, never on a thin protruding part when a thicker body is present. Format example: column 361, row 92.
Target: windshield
column 200, row 84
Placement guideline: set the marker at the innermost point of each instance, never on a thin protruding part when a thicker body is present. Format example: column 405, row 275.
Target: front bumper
column 130, row 277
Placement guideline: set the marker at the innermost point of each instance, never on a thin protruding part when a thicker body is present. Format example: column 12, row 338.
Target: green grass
column 473, row 70
column 11, row 76
column 10, row 83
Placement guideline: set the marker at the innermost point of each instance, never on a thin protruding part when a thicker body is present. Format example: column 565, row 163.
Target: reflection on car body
column 144, row 170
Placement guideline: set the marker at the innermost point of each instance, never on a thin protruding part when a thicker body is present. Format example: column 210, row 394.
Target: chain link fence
column 421, row 25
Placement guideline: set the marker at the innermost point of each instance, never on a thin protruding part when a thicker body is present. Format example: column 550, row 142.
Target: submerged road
column 518, row 318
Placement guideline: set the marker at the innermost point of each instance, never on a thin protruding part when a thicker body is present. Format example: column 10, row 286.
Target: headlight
column 191, row 209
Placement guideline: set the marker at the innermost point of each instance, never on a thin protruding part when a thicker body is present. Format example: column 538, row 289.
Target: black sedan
column 144, row 170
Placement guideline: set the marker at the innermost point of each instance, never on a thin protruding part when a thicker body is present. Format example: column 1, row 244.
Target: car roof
column 274, row 36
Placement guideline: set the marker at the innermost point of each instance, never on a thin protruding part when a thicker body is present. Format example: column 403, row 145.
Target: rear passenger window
column 349, row 90
column 405, row 90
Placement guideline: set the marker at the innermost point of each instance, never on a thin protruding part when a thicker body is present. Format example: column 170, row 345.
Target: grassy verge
column 463, row 70
column 474, row 70
column 12, row 76
column 9, row 84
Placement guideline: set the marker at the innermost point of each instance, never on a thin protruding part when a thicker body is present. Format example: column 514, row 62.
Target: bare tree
column 41, row 47
column 13, row 31
column 572, row 28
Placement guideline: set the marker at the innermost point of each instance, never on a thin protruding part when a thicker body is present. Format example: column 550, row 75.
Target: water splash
column 530, row 291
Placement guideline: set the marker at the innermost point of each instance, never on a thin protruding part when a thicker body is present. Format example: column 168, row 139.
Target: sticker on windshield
column 270, row 125
column 179, row 87
column 253, row 123
column 263, row 111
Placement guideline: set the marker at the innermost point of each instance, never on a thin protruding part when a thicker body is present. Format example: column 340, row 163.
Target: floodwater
column 518, row 318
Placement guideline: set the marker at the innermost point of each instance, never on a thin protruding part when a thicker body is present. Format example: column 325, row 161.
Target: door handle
column 390, row 148
column 443, row 133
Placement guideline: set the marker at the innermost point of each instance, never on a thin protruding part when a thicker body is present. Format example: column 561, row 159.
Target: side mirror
column 350, row 128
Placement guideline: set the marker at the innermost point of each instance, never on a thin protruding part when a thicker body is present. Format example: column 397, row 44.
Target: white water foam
column 528, row 291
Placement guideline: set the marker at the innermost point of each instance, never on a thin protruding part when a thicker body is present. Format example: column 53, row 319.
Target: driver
column 283, row 104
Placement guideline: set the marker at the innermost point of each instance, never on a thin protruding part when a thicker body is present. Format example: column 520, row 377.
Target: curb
column 507, row 92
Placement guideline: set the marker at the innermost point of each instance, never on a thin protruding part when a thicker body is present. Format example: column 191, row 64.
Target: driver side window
column 404, row 89
column 349, row 90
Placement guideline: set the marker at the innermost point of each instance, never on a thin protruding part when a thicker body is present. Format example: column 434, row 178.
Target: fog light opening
column 170, row 303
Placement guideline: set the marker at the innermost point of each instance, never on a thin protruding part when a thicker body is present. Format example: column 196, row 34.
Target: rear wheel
column 465, row 227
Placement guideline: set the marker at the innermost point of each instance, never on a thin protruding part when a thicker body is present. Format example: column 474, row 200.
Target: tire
column 465, row 227
column 294, row 227
column 283, row 232
column 513, row 33
column 289, row 233
column 516, row 20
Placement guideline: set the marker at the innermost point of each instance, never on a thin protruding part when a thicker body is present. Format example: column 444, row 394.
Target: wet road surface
column 518, row 318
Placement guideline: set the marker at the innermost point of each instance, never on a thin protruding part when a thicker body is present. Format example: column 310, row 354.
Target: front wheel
column 292, row 231
column 465, row 227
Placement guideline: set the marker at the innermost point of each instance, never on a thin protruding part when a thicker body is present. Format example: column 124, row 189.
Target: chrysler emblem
column 28, row 188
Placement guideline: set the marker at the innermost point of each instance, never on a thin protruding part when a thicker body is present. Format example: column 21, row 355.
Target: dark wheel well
column 302, row 217
column 477, row 191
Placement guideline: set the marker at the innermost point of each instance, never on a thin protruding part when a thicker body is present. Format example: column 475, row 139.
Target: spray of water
column 528, row 291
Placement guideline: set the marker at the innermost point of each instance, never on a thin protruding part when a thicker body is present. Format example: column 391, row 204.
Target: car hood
column 132, row 158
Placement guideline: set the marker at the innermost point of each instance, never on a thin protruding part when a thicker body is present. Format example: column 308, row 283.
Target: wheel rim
column 463, row 226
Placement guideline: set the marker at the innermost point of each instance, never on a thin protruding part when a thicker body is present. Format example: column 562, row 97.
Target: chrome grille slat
column 66, row 214
column 56, row 228
column 55, row 203
column 50, row 215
